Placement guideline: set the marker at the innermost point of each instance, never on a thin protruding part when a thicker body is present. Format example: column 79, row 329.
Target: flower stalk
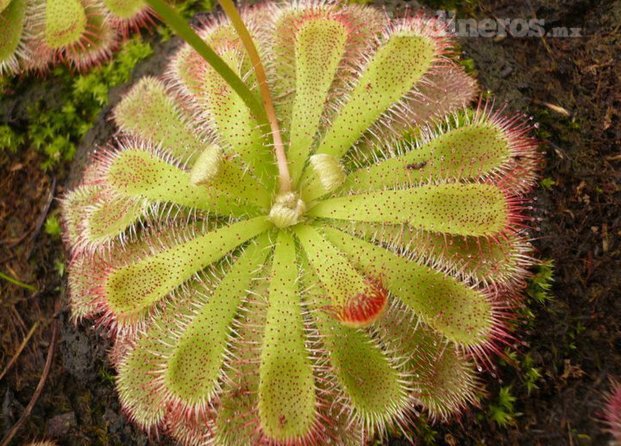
column 279, row 149
column 265, row 113
column 180, row 26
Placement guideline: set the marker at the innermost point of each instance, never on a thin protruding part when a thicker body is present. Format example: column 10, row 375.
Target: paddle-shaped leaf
column 355, row 300
column 65, row 22
column 499, row 260
column 196, row 362
column 150, row 113
column 237, row 127
column 12, row 15
column 286, row 389
column 460, row 209
column 319, row 47
column 469, row 152
column 398, row 64
column 442, row 380
column 133, row 289
column 140, row 173
column 460, row 313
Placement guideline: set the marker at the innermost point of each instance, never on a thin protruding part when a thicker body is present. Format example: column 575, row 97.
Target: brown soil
column 571, row 86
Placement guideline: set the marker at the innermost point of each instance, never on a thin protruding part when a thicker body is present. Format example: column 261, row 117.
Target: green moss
column 547, row 183
column 530, row 374
column 502, row 411
column 469, row 65
column 540, row 284
column 55, row 129
column 10, row 140
column 52, row 226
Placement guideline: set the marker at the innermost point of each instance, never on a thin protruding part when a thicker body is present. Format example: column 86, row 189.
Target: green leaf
column 461, row 209
column 196, row 362
column 392, row 72
column 470, row 152
column 287, row 397
column 325, row 174
column 373, row 385
column 183, row 29
column 447, row 385
column 95, row 44
column 355, row 300
column 125, row 9
column 139, row 379
column 133, row 289
column 12, row 18
column 237, row 127
column 141, row 174
column 371, row 382
column 82, row 287
column 319, row 47
column 74, row 207
column 484, row 259
column 460, row 313
column 150, row 113
column 110, row 217
column 4, row 4
column 65, row 22
column 443, row 380
column 135, row 383
column 363, row 25
column 446, row 91
column 207, row 165
column 240, row 185
column 236, row 421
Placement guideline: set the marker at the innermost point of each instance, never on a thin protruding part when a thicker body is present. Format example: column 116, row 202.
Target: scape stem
column 279, row 149
column 265, row 113
column 180, row 26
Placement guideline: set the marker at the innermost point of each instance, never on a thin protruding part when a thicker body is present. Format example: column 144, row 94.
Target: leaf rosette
column 81, row 33
column 329, row 313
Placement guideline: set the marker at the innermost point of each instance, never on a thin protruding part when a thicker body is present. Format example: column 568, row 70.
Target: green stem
column 279, row 148
column 16, row 282
column 179, row 25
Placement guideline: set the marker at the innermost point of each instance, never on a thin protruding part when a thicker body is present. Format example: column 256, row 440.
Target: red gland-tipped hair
column 612, row 412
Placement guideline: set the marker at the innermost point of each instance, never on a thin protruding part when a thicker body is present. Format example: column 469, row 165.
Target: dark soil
column 572, row 88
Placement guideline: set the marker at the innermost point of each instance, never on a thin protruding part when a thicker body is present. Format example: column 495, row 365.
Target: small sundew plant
column 612, row 413
column 320, row 283
column 81, row 33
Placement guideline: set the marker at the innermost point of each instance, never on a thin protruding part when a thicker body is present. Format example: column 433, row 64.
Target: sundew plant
column 82, row 33
column 315, row 271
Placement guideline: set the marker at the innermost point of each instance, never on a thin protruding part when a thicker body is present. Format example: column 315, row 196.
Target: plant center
column 287, row 210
